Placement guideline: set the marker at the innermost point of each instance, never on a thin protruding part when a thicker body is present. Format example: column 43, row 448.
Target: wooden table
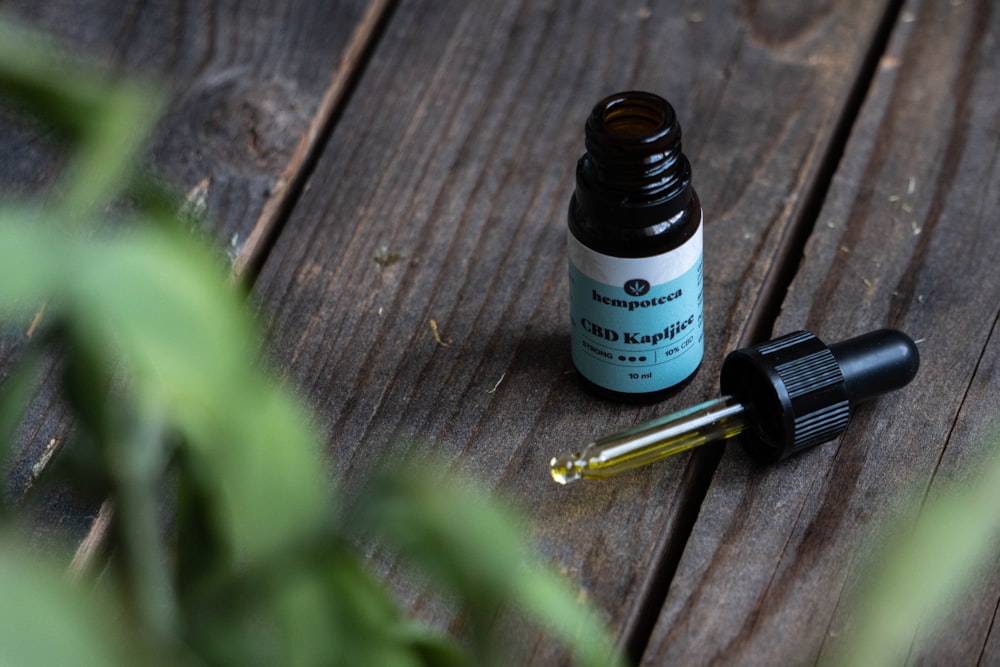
column 374, row 167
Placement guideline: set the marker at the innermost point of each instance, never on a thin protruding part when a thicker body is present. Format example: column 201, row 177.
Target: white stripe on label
column 657, row 269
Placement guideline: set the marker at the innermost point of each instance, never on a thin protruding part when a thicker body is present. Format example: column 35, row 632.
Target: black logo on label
column 636, row 287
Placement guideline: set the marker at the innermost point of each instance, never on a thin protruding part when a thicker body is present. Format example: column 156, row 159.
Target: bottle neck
column 634, row 169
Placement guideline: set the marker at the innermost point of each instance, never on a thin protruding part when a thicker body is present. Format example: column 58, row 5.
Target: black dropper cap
column 799, row 392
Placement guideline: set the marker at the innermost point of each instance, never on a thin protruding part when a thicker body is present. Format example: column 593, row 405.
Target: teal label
column 637, row 324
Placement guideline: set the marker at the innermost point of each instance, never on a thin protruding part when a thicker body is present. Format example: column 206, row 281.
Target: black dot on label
column 631, row 358
column 621, row 358
column 642, row 358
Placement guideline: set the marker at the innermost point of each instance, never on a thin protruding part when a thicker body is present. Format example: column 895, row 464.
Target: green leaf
column 926, row 570
column 471, row 546
column 317, row 605
column 155, row 304
column 189, row 345
column 33, row 262
column 45, row 621
column 105, row 121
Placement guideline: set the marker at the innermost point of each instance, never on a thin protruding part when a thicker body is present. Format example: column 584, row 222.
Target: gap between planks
column 276, row 209
column 287, row 189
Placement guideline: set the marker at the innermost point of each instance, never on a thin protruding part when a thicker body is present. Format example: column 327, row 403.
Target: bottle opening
column 632, row 122
column 634, row 117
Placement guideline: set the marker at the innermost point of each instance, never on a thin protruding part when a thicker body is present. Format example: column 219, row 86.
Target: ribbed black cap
column 799, row 392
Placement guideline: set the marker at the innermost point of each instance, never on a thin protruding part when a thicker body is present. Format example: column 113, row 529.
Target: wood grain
column 252, row 90
column 776, row 562
column 442, row 196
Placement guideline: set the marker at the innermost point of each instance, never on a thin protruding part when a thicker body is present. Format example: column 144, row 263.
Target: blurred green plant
column 924, row 570
column 161, row 369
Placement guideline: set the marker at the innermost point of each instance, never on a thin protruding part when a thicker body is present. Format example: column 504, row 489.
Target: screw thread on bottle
column 634, row 156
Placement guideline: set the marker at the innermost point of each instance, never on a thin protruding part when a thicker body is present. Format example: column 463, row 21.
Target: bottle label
column 637, row 323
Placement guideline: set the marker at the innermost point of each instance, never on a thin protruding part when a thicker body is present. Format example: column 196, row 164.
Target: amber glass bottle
column 635, row 253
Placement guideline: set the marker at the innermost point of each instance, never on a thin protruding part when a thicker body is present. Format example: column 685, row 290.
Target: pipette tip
column 566, row 468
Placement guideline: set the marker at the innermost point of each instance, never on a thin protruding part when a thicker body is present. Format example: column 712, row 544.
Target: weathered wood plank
column 442, row 197
column 251, row 87
column 967, row 635
column 906, row 239
column 252, row 91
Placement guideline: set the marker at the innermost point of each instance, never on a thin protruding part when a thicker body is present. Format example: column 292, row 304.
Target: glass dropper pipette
column 785, row 396
column 713, row 420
